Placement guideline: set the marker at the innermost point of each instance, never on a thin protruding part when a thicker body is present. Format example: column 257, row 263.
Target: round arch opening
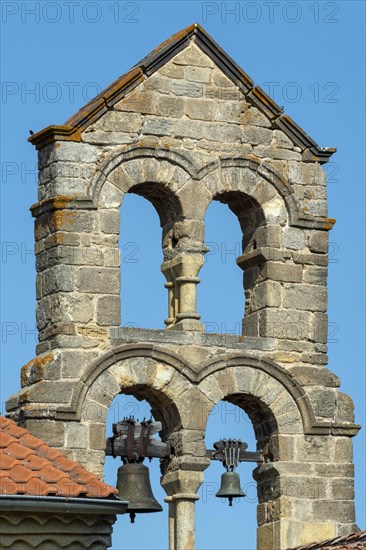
column 230, row 526
column 134, row 535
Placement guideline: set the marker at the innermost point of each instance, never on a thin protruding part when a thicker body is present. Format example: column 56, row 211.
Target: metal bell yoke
column 133, row 441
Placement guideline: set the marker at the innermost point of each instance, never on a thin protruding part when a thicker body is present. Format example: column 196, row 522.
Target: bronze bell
column 133, row 484
column 230, row 487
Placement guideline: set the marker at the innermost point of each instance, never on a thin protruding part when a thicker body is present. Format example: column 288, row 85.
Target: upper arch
column 138, row 176
column 103, row 363
column 252, row 178
column 273, row 374
column 194, row 377
column 247, row 174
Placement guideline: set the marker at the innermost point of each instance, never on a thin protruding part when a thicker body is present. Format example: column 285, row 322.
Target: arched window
column 220, row 294
column 219, row 525
column 125, row 534
column 143, row 296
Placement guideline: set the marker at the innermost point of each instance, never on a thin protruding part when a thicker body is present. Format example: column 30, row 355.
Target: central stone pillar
column 181, row 487
column 182, row 280
column 181, row 521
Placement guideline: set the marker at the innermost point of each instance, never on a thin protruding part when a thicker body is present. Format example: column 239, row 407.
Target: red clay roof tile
column 33, row 462
column 64, row 463
column 49, row 474
column 20, row 474
column 72, row 489
column 81, row 474
column 5, row 440
column 7, row 462
column 29, row 466
column 96, row 491
column 30, row 441
column 14, row 431
column 8, row 487
column 36, row 486
column 18, row 451
column 47, row 452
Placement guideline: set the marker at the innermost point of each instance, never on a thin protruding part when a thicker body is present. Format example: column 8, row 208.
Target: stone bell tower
column 184, row 127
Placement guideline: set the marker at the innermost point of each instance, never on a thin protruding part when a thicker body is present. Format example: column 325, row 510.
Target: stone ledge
column 124, row 335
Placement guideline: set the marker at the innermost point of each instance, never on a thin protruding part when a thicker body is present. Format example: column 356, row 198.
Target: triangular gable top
column 92, row 111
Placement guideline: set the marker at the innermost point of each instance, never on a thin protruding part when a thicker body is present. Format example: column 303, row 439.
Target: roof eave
column 54, row 133
column 41, row 504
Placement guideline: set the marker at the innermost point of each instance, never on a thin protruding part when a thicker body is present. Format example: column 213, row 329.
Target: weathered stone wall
column 184, row 137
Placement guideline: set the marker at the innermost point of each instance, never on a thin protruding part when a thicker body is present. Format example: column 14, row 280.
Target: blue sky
column 310, row 57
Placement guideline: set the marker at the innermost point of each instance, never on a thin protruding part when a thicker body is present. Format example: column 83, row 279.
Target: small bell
column 230, row 487
column 133, row 484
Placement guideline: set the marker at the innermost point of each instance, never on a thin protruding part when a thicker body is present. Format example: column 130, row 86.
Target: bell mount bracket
column 232, row 451
column 133, row 441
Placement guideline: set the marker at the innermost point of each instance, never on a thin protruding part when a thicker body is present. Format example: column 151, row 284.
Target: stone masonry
column 184, row 127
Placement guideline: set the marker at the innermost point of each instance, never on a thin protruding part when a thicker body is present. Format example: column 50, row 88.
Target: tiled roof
column 355, row 541
column 28, row 466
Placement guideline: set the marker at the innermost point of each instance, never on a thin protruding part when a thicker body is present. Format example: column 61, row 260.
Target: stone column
column 187, row 302
column 172, row 519
column 185, row 521
column 181, row 487
column 181, row 274
column 171, row 303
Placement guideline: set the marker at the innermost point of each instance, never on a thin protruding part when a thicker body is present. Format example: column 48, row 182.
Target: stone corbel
column 261, row 255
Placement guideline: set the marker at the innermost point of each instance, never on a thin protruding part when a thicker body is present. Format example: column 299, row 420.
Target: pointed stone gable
column 189, row 102
column 208, row 48
column 186, row 95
